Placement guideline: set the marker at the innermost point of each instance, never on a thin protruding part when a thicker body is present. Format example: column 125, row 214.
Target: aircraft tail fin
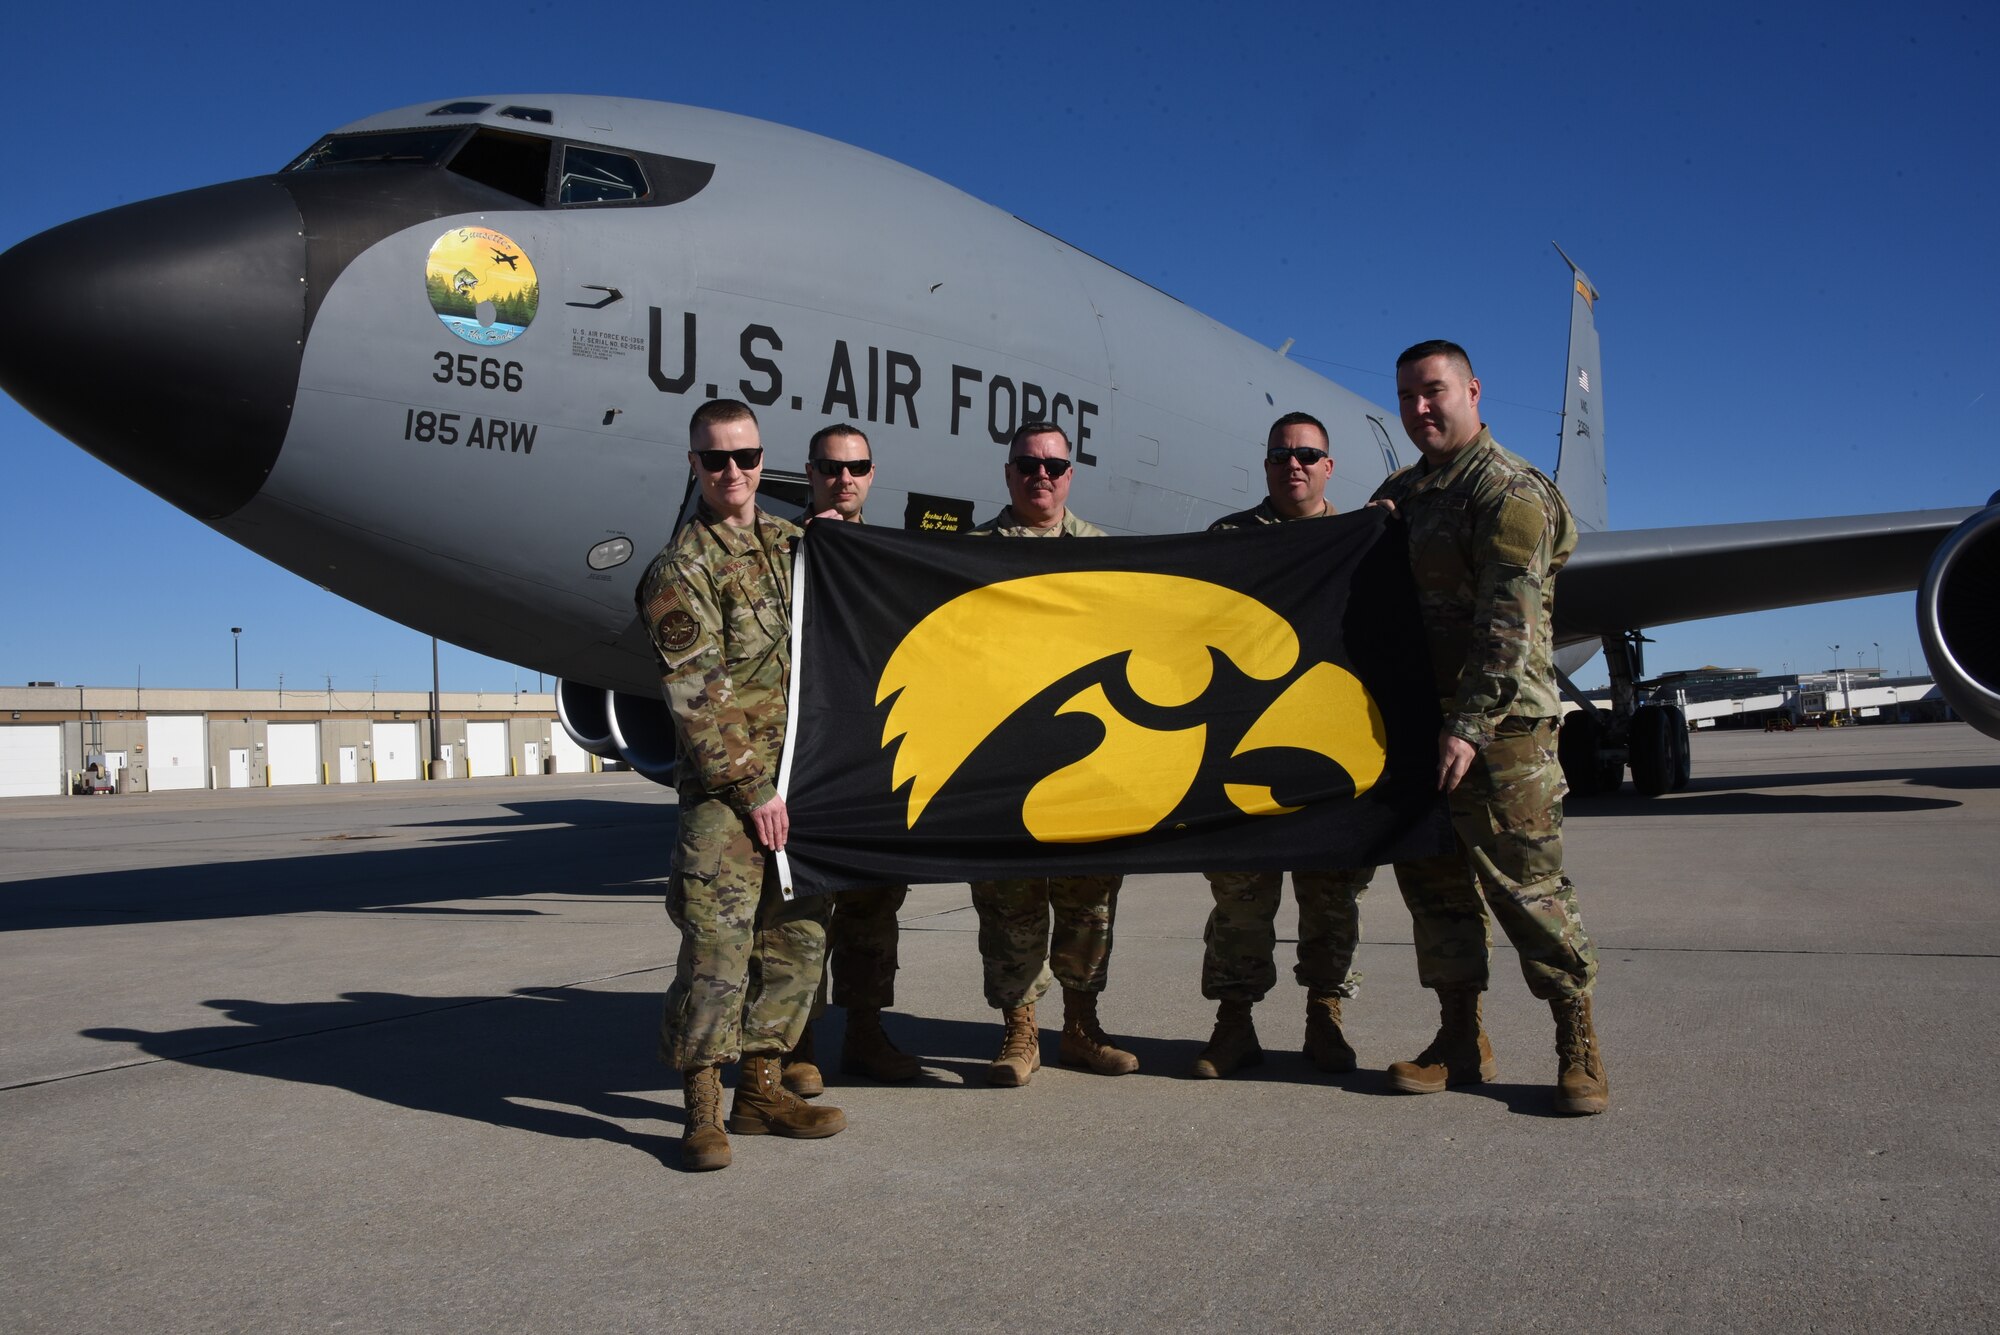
column 1580, row 462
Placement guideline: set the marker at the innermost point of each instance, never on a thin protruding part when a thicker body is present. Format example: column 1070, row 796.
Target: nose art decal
column 482, row 285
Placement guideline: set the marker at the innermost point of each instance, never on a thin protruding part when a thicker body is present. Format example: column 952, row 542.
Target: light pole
column 236, row 653
column 1878, row 656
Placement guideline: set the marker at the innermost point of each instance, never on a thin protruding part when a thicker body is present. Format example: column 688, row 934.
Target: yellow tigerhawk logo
column 951, row 694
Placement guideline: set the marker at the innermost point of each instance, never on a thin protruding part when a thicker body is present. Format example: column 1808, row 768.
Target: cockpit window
column 516, row 164
column 594, row 176
column 535, row 114
column 519, row 163
column 459, row 109
column 342, row 150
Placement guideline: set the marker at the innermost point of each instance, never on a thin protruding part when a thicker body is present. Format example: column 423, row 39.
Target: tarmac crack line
column 515, row 995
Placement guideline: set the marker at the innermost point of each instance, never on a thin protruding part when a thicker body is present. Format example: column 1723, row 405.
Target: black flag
column 967, row 708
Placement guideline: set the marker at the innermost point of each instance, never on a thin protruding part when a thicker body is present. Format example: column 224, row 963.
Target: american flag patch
column 1583, row 380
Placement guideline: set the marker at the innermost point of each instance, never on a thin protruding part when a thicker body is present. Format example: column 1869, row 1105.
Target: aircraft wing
column 1637, row 578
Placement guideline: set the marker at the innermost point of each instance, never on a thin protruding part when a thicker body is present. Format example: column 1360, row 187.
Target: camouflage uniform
column 1488, row 533
column 717, row 604
column 1021, row 952
column 861, row 946
column 1241, row 936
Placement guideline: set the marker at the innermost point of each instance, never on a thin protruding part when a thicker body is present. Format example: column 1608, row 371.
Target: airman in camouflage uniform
column 1020, row 951
column 861, row 934
column 717, row 604
column 1237, row 968
column 1488, row 535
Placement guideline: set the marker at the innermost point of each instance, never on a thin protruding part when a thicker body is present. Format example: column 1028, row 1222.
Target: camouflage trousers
column 1507, row 813
column 861, row 949
column 1022, row 955
column 1238, row 963
column 749, row 963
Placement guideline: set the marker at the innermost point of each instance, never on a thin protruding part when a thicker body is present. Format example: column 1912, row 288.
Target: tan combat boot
column 1084, row 1044
column 1232, row 1046
column 802, row 1075
column 1581, row 1086
column 1326, row 1046
column 1459, row 1055
column 1020, row 1049
column 868, row 1051
column 764, row 1107
column 703, row 1146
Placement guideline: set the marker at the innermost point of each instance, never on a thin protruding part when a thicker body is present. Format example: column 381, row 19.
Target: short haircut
column 1436, row 347
column 716, row 412
column 1297, row 419
column 826, row 433
column 1027, row 429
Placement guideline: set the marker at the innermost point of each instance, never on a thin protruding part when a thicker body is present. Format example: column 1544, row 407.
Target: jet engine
column 1958, row 618
column 634, row 729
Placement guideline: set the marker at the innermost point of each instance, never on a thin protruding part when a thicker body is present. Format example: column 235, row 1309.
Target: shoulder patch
column 678, row 630
column 1519, row 530
column 672, row 626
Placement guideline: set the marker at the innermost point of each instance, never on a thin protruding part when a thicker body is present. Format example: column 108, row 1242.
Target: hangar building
column 145, row 739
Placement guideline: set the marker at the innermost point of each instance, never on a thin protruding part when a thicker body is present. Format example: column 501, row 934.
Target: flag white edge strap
column 791, row 702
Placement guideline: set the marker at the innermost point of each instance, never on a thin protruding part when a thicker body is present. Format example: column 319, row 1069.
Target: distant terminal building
column 61, row 739
column 1721, row 697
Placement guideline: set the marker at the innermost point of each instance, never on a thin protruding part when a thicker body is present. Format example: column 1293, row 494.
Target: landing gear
column 1596, row 744
column 1661, row 762
column 1591, row 766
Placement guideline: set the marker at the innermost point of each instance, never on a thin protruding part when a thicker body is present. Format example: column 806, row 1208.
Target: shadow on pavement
column 549, row 1061
column 563, row 1061
column 560, row 847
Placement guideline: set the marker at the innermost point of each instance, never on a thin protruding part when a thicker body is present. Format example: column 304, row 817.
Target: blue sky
column 1789, row 211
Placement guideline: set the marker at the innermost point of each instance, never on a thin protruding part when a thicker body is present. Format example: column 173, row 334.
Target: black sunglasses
column 1028, row 466
column 714, row 461
column 835, row 467
column 1282, row 454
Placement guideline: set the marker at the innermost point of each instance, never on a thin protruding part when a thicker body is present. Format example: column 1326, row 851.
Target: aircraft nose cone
column 165, row 337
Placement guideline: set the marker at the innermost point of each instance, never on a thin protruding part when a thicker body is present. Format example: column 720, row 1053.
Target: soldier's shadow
column 557, row 1061
column 569, row 1062
column 1527, row 1100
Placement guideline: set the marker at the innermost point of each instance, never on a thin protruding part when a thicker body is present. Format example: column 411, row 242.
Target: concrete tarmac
column 381, row 1059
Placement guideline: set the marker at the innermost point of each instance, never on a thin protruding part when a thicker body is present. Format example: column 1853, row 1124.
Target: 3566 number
column 471, row 370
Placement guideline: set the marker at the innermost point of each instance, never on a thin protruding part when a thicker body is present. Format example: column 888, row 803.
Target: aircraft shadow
column 560, row 847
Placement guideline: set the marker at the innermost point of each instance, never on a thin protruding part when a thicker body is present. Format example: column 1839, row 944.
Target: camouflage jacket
column 717, row 602
column 1487, row 535
column 1007, row 524
column 1263, row 513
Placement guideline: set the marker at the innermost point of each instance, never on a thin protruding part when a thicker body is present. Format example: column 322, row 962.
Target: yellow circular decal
column 482, row 285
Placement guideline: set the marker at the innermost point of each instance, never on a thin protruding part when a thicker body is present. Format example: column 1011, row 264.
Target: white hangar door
column 395, row 747
column 176, row 752
column 570, row 758
column 485, row 750
column 293, row 749
column 31, row 760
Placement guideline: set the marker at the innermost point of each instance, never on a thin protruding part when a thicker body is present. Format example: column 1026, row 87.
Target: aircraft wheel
column 1577, row 746
column 1683, row 748
column 1653, row 764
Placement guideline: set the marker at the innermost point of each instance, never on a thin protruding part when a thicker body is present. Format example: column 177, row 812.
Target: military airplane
column 442, row 364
